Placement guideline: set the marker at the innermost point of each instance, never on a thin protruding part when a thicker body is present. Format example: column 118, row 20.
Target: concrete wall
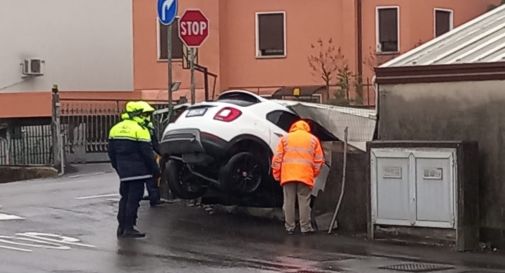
column 455, row 111
column 352, row 217
column 86, row 45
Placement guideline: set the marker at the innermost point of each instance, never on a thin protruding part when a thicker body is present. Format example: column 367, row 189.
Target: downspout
column 359, row 26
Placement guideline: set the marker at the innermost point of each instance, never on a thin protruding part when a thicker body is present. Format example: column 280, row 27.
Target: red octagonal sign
column 193, row 28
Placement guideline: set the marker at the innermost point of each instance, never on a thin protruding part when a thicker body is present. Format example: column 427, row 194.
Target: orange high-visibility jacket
column 299, row 156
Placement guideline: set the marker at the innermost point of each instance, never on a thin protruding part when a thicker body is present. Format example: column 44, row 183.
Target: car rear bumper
column 192, row 141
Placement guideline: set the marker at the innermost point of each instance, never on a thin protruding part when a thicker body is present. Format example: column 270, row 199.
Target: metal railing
column 27, row 145
column 86, row 124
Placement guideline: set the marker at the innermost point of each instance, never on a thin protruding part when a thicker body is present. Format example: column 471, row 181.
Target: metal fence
column 27, row 145
column 86, row 124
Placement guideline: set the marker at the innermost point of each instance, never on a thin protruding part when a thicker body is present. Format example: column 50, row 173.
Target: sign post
column 167, row 10
column 193, row 30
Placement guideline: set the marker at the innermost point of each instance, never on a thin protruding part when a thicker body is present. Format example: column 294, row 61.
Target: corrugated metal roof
column 481, row 40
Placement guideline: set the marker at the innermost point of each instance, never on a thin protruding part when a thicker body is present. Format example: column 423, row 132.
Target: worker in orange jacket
column 295, row 165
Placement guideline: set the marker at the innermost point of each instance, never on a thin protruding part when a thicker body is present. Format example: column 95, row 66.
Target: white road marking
column 97, row 196
column 53, row 238
column 38, row 243
column 15, row 248
column 4, row 216
column 86, row 175
column 39, row 240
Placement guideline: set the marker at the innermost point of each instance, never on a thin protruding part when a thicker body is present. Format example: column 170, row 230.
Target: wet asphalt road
column 68, row 225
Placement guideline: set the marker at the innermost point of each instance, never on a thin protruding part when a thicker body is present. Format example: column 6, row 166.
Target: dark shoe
column 133, row 233
column 119, row 231
column 290, row 232
column 158, row 203
column 145, row 197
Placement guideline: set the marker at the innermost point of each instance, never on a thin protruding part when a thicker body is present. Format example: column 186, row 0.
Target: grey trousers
column 292, row 192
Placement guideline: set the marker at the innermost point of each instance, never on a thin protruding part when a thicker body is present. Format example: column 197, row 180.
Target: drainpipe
column 359, row 26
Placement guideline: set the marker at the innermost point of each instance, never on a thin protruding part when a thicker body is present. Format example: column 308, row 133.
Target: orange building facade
column 368, row 32
column 263, row 45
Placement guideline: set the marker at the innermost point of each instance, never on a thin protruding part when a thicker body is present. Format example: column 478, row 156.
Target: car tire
column 242, row 174
column 181, row 182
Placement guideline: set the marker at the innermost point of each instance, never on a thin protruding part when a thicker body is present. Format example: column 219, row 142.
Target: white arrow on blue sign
column 167, row 10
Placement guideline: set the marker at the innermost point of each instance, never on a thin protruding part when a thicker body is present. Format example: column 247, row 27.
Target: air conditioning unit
column 33, row 67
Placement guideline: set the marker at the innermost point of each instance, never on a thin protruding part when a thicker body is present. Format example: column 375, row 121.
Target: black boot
column 132, row 233
column 119, row 231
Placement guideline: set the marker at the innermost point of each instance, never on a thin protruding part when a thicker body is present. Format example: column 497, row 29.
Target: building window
column 176, row 41
column 271, row 34
column 443, row 21
column 387, row 29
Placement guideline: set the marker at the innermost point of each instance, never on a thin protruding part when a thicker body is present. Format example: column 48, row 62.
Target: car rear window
column 282, row 119
column 240, row 99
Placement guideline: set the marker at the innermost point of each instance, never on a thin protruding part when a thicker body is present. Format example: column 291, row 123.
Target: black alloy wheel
column 242, row 174
column 182, row 182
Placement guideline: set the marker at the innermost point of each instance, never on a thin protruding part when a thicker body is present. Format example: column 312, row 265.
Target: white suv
column 227, row 145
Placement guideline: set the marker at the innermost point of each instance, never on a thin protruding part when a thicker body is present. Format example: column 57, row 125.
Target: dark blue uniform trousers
column 153, row 191
column 131, row 193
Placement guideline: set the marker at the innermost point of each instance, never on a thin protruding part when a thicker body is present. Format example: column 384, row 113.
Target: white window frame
column 256, row 22
column 158, row 49
column 377, row 29
column 451, row 23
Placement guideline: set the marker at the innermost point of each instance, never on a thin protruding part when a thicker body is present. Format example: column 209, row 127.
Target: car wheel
column 181, row 182
column 243, row 173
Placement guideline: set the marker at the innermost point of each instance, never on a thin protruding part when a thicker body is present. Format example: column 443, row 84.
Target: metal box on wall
column 424, row 189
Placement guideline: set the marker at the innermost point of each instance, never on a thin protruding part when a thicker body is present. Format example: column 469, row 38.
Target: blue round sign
column 167, row 10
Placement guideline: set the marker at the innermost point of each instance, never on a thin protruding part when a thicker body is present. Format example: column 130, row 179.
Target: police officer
column 152, row 185
column 131, row 155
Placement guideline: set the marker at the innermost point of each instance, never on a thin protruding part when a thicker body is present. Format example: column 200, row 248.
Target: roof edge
column 440, row 73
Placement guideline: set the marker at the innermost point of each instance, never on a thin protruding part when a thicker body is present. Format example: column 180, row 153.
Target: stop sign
column 193, row 28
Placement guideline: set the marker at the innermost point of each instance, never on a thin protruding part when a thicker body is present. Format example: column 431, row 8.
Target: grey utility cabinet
column 425, row 189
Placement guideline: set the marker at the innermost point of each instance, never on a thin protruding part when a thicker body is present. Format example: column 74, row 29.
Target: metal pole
column 169, row 61
column 334, row 219
column 8, row 152
column 62, row 150
column 368, row 91
column 56, row 128
column 192, row 67
column 206, row 82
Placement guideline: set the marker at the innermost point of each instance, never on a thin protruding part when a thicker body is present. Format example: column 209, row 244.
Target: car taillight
column 228, row 114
